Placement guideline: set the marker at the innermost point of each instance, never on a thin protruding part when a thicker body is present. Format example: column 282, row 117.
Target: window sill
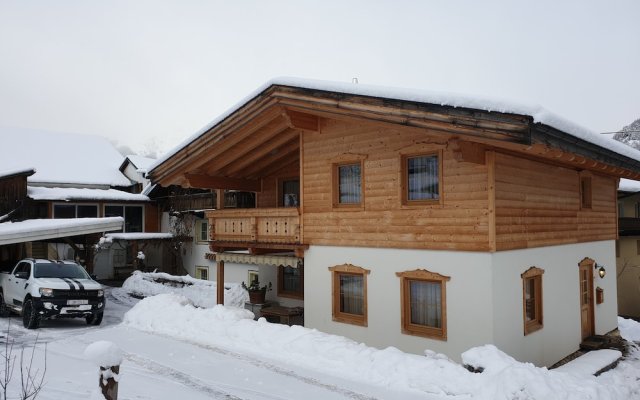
column 532, row 327
column 435, row 334
column 350, row 319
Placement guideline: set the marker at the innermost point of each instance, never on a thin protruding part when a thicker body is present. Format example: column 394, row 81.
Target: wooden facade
column 506, row 182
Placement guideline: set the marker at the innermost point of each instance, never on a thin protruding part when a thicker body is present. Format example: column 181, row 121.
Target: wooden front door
column 586, row 298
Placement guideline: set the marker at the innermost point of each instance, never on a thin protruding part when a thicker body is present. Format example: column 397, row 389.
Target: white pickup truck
column 40, row 289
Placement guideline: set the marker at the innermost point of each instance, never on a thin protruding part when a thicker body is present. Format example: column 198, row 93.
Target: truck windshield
column 59, row 270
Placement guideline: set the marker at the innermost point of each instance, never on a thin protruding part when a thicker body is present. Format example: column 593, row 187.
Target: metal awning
column 265, row 259
column 42, row 229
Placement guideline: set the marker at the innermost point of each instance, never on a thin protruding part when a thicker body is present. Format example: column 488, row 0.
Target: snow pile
column 628, row 185
column 104, row 354
column 629, row 329
column 435, row 374
column 201, row 293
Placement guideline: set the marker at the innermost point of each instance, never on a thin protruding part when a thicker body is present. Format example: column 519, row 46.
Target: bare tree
column 31, row 378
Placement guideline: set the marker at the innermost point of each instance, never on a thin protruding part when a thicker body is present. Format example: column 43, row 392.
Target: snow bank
column 629, row 329
column 68, row 194
column 504, row 377
column 201, row 293
column 592, row 362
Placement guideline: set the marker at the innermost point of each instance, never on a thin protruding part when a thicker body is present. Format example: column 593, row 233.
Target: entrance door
column 586, row 297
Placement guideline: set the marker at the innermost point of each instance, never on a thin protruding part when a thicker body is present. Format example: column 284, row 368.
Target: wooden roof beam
column 265, row 166
column 218, row 182
column 306, row 121
column 247, row 168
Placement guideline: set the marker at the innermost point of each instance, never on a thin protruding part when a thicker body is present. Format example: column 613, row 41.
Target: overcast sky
column 148, row 74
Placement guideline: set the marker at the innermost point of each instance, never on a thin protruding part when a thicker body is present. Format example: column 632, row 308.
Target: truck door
column 16, row 283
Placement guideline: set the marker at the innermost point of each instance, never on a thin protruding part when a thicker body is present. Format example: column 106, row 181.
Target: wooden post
column 108, row 385
column 220, row 283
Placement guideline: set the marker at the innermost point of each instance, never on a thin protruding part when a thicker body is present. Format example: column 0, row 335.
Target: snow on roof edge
column 537, row 112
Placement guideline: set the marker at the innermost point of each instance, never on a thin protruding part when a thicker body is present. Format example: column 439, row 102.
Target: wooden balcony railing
column 261, row 225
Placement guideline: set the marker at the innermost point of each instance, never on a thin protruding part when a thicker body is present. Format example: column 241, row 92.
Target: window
column 423, row 303
column 75, row 211
column 349, row 294
column 620, row 209
column 133, row 219
column 291, row 282
column 202, row 273
column 347, row 184
column 289, row 193
column 119, row 257
column 421, row 179
column 532, row 299
column 585, row 192
column 202, row 231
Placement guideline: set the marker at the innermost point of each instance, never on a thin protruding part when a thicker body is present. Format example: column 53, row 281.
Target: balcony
column 256, row 229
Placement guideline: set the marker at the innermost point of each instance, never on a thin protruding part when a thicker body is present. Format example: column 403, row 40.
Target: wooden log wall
column 539, row 205
column 268, row 198
column 459, row 223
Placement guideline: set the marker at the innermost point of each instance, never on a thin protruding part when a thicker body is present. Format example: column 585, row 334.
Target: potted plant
column 257, row 293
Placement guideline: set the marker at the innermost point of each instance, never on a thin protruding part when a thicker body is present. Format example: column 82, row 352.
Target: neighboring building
column 68, row 176
column 421, row 220
column 135, row 168
column 628, row 249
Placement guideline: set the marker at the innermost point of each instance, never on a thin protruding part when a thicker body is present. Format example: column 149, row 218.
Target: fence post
column 108, row 357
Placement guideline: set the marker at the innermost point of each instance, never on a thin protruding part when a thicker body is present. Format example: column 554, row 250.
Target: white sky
column 150, row 73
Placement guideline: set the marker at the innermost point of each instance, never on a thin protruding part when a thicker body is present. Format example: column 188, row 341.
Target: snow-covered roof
column 141, row 163
column 13, row 172
column 628, row 185
column 42, row 229
column 138, row 236
column 538, row 113
column 61, row 157
column 68, row 194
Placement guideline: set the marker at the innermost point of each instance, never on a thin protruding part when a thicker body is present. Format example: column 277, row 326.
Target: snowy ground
column 174, row 350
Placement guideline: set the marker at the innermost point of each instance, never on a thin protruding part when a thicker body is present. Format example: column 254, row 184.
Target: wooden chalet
column 401, row 187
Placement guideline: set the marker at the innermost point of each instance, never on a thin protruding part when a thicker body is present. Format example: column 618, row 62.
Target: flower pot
column 257, row 296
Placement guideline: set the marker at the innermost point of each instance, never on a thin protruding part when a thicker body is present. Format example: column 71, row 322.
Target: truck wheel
column 95, row 319
column 30, row 318
column 4, row 310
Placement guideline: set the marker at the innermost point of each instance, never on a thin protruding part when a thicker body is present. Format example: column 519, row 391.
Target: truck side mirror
column 22, row 275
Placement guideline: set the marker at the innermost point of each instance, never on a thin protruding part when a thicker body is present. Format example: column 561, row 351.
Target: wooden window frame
column 286, row 293
column 75, row 208
column 408, row 328
column 336, row 314
column 335, row 182
column 586, row 191
column 404, row 178
column 535, row 274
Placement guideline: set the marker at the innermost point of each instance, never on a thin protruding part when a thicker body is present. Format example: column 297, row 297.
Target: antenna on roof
column 354, row 80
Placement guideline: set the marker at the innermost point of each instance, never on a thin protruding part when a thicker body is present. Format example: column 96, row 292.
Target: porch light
column 601, row 271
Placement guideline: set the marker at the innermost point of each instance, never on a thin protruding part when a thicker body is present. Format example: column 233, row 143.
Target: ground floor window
column 423, row 303
column 532, row 299
column 291, row 282
column 202, row 273
column 349, row 285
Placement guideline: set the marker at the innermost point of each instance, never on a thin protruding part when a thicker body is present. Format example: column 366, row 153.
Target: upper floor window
column 532, row 299
column 349, row 294
column 133, row 216
column 424, row 303
column 75, row 211
column 347, row 186
column 290, row 193
column 421, row 178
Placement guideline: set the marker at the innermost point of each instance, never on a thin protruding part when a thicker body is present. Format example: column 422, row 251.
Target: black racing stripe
column 77, row 282
column 70, row 283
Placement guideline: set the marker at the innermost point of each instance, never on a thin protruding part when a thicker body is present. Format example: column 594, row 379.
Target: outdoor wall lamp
column 601, row 271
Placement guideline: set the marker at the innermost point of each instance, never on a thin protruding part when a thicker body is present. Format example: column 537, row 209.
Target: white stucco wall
column 561, row 333
column 628, row 269
column 484, row 298
column 469, row 311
